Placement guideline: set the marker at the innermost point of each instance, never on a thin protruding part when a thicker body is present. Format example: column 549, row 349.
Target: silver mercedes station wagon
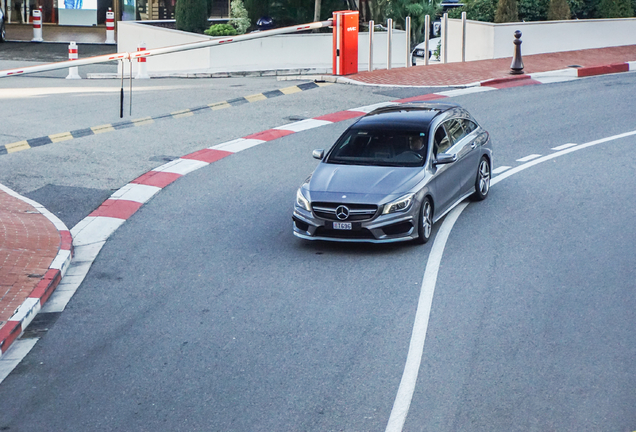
column 393, row 174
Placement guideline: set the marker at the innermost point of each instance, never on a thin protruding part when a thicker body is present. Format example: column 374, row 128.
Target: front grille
column 354, row 234
column 357, row 212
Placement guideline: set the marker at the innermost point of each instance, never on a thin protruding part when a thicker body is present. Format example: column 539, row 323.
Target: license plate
column 342, row 225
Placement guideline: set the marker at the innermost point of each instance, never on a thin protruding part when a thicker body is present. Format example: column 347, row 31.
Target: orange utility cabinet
column 345, row 42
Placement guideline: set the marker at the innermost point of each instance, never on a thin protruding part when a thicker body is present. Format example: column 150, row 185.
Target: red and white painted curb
column 23, row 316
column 90, row 234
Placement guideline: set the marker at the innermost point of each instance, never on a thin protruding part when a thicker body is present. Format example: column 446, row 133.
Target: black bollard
column 517, row 63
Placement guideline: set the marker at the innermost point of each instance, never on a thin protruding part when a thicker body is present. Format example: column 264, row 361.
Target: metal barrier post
column 37, row 25
column 389, row 42
column 73, row 71
column 445, row 38
column 371, row 32
column 408, row 41
column 463, row 37
column 427, row 37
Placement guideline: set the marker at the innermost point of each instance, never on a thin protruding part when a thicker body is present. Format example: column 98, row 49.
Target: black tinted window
column 379, row 147
column 454, row 129
column 442, row 143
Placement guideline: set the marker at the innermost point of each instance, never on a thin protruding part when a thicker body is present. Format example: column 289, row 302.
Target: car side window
column 455, row 130
column 469, row 126
column 441, row 143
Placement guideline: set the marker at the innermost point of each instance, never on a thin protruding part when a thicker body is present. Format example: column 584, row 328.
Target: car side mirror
column 318, row 154
column 443, row 159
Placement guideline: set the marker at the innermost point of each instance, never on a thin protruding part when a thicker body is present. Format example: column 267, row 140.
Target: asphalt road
column 203, row 312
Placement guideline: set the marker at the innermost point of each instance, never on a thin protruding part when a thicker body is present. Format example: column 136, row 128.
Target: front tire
column 3, row 33
column 425, row 222
column 482, row 181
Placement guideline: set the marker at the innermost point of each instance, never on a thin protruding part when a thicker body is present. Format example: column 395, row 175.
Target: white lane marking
column 135, row 192
column 500, row 169
column 400, row 409
column 528, row 158
column 181, row 166
column 563, row 147
column 303, row 125
column 14, row 355
column 93, row 229
column 237, row 145
column 420, row 326
column 465, row 91
column 632, row 65
column 368, row 108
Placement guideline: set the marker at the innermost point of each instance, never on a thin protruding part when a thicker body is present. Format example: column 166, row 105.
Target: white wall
column 490, row 41
column 293, row 51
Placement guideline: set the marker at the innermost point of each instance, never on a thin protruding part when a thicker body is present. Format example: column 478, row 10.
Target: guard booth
column 345, row 42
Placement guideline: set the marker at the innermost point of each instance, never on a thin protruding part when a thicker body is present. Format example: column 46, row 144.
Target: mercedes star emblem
column 342, row 212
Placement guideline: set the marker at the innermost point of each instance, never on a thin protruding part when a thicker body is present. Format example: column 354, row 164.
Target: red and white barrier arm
column 162, row 51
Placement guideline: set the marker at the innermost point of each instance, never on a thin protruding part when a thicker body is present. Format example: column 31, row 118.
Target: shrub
column 615, row 9
column 559, row 10
column 221, row 30
column 507, row 11
column 477, row 10
column 191, row 15
column 239, row 18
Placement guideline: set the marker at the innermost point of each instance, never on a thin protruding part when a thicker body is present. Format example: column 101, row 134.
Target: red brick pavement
column 29, row 243
column 455, row 74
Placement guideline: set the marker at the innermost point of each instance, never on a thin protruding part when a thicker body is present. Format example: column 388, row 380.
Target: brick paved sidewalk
column 457, row 74
column 29, row 243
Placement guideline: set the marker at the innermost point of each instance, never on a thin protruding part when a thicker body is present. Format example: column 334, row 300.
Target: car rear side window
column 469, row 126
column 455, row 130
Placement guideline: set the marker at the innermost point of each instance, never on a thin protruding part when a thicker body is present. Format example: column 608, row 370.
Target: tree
column 615, row 9
column 239, row 17
column 191, row 15
column 507, row 11
column 477, row 10
column 559, row 10
column 417, row 10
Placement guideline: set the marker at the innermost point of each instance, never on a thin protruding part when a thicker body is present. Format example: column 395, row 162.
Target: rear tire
column 3, row 33
column 482, row 181
column 425, row 222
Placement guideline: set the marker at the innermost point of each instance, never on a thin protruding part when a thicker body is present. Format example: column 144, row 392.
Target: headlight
column 400, row 204
column 302, row 202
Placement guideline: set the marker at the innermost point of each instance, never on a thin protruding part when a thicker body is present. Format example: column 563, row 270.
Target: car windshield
column 380, row 147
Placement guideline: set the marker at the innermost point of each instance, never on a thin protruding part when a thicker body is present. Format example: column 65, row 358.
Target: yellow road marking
column 256, row 97
column 290, row 90
column 102, row 129
column 219, row 105
column 64, row 136
column 143, row 121
column 182, row 113
column 17, row 146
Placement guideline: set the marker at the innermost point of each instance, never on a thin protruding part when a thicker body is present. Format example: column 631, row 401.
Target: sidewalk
column 57, row 34
column 35, row 247
column 462, row 74
column 33, row 252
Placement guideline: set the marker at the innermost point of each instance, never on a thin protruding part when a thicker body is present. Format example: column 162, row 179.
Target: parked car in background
column 394, row 173
column 3, row 31
column 419, row 52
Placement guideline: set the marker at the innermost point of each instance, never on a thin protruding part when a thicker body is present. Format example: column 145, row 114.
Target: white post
column 463, row 37
column 408, row 41
column 389, row 42
column 73, row 71
column 142, row 70
column 110, row 27
column 37, row 26
column 444, row 38
column 371, row 31
column 427, row 37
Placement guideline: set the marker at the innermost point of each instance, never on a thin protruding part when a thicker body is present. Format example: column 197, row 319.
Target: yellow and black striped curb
column 65, row 136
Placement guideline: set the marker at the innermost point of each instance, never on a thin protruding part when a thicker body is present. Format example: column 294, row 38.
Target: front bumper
column 390, row 228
